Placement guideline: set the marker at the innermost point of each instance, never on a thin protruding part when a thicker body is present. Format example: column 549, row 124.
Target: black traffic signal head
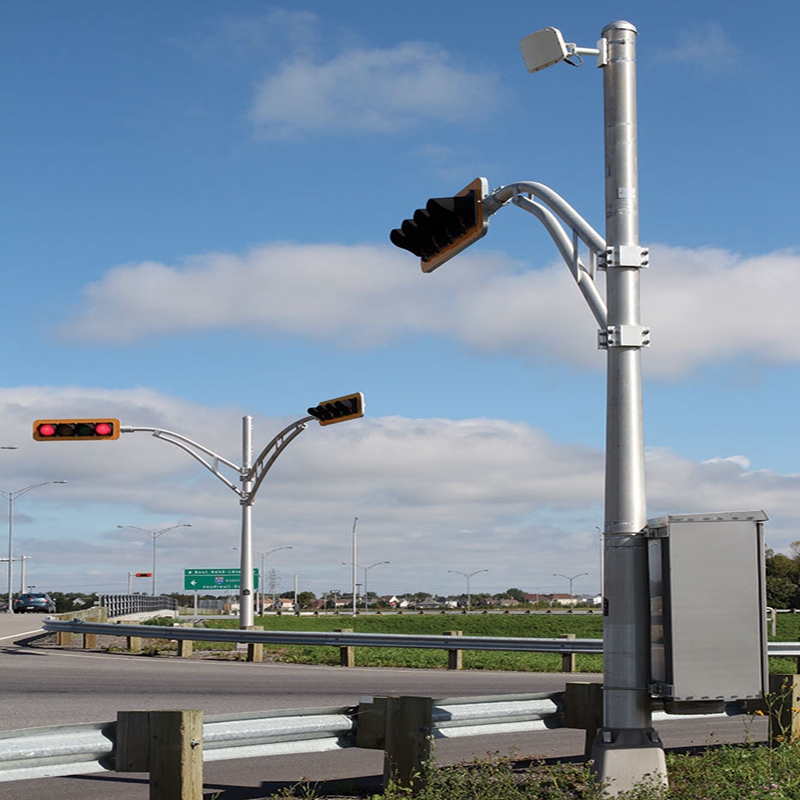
column 57, row 430
column 339, row 409
column 445, row 227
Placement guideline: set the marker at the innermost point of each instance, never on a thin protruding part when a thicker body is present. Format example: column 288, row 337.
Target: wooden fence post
column 168, row 745
column 454, row 657
column 347, row 654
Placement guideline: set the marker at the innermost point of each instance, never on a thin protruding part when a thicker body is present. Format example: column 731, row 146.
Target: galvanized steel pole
column 246, row 548
column 627, row 748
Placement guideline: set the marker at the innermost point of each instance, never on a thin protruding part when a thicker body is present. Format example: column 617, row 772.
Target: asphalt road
column 45, row 686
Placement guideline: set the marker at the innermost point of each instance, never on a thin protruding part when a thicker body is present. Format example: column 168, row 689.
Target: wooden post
column 408, row 741
column 347, row 654
column 583, row 709
column 255, row 650
column 185, row 648
column 567, row 659
column 89, row 641
column 168, row 745
column 371, row 728
column 134, row 643
column 784, row 709
column 63, row 638
column 454, row 657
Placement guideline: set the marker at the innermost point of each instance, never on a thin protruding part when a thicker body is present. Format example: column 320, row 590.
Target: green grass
column 538, row 626
column 584, row 626
column 730, row 772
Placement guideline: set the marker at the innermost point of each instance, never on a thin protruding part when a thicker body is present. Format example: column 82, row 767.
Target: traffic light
column 339, row 409
column 144, row 574
column 445, row 227
column 55, row 430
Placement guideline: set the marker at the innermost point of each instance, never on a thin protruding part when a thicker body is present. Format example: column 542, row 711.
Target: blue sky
column 197, row 199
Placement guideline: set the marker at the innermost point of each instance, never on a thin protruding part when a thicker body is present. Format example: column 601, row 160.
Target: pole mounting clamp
column 623, row 336
column 624, row 255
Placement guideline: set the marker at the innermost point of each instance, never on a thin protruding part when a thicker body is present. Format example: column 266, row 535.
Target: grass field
column 539, row 626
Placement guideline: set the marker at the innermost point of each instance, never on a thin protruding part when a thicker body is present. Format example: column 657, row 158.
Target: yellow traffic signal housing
column 71, row 430
column 445, row 227
column 340, row 409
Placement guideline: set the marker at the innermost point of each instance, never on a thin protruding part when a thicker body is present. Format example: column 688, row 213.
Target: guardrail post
column 168, row 745
column 567, row 659
column 347, row 654
column 89, row 641
column 583, row 709
column 255, row 650
column 783, row 705
column 134, row 643
column 185, row 648
column 402, row 728
column 407, row 741
column 454, row 657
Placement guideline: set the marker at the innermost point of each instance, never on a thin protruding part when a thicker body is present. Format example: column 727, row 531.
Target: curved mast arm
column 193, row 449
column 280, row 442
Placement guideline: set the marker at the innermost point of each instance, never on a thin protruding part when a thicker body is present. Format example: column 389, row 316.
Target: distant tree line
column 783, row 578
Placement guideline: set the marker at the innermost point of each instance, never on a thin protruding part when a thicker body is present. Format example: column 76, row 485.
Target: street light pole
column 366, row 592
column 154, row 535
column 366, row 570
column 468, row 576
column 559, row 575
column 355, row 565
column 11, row 496
column 261, row 574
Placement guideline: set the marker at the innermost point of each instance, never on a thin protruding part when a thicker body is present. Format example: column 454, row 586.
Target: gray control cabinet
column 708, row 606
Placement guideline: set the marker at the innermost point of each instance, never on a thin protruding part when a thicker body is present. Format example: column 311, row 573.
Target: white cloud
column 430, row 495
column 704, row 306
column 364, row 90
column 704, row 45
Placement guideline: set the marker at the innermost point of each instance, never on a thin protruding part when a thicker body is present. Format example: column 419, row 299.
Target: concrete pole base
column 626, row 757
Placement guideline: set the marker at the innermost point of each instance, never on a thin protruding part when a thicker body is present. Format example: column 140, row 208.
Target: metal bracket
column 623, row 336
column 624, row 255
column 656, row 533
column 661, row 689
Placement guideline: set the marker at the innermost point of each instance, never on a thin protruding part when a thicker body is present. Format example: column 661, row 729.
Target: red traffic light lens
column 104, row 429
column 47, row 430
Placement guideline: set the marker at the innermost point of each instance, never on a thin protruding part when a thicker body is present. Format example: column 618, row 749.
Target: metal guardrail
column 334, row 639
column 86, row 748
column 91, row 747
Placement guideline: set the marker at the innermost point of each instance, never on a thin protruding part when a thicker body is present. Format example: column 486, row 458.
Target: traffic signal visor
column 50, row 430
column 445, row 227
column 340, row 409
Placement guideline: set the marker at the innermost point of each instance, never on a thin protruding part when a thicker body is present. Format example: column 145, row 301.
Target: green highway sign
column 200, row 579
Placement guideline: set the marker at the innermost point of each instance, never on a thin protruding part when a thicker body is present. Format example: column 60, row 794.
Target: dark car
column 38, row 601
